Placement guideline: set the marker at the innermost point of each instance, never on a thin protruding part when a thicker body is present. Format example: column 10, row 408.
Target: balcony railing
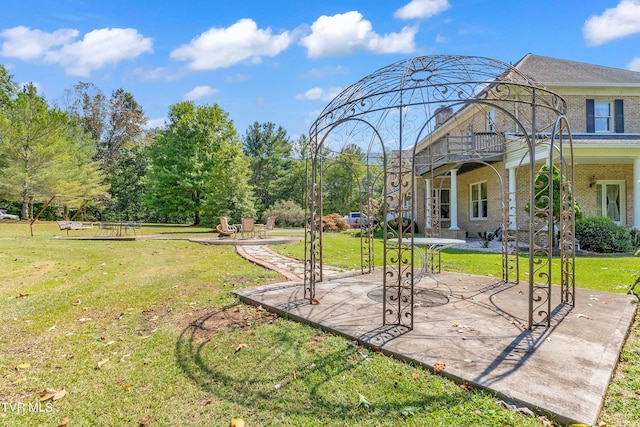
column 456, row 148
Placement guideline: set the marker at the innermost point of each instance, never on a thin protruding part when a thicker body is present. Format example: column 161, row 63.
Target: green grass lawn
column 121, row 330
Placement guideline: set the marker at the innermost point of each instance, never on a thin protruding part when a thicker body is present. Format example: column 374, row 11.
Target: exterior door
column 611, row 200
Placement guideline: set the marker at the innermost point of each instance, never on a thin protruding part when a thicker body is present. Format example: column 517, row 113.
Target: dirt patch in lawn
column 233, row 317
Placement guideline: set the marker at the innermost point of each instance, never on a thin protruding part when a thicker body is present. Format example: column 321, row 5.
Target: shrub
column 635, row 238
column 334, row 222
column 287, row 212
column 601, row 234
column 486, row 237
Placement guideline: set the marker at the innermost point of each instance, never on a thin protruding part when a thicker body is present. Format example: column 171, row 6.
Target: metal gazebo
column 393, row 113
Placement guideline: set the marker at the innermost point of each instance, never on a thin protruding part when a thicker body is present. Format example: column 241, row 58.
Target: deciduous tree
column 116, row 126
column 8, row 88
column 197, row 166
column 344, row 181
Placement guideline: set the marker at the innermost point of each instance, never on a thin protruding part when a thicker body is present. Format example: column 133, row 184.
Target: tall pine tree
column 44, row 153
column 269, row 152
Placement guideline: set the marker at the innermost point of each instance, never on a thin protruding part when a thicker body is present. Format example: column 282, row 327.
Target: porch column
column 428, row 208
column 512, row 198
column 454, row 200
column 636, row 193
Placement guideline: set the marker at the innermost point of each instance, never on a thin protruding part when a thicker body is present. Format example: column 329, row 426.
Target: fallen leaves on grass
column 101, row 363
column 362, row 353
column 466, row 386
column 240, row 347
column 439, row 367
column 236, row 422
column 23, row 366
column 415, row 375
column 77, row 302
column 363, row 401
column 145, row 420
column 63, row 422
column 52, row 394
column 22, row 295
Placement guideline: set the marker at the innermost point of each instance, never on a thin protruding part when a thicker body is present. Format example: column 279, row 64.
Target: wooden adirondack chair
column 224, row 229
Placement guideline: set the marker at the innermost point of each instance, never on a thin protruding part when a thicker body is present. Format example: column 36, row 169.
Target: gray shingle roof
column 549, row 70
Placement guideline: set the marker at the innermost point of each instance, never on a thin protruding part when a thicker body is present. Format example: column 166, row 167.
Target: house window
column 602, row 116
column 605, row 116
column 491, row 121
column 610, row 200
column 445, row 202
column 479, row 200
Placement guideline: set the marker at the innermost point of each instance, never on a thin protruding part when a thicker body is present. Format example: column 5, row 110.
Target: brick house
column 603, row 111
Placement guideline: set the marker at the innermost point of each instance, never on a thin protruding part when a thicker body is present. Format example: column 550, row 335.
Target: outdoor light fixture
column 592, row 181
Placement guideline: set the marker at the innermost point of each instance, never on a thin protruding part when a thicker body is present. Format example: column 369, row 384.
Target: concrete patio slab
column 477, row 330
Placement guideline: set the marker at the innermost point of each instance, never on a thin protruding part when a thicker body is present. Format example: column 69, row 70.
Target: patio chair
column 106, row 228
column 134, row 227
column 224, row 229
column 263, row 228
column 248, row 227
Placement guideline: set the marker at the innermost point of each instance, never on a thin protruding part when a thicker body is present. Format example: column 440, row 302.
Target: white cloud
column 320, row 93
column 441, row 39
column 156, row 123
column 199, row 92
column 238, row 78
column 328, row 71
column 27, row 44
column 37, row 85
column 224, row 47
column 344, row 34
column 97, row 49
column 158, row 73
column 421, row 9
column 634, row 65
column 615, row 23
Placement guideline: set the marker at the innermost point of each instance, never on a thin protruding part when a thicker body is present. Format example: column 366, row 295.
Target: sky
column 282, row 61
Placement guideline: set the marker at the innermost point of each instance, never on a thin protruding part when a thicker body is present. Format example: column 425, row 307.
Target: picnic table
column 119, row 228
